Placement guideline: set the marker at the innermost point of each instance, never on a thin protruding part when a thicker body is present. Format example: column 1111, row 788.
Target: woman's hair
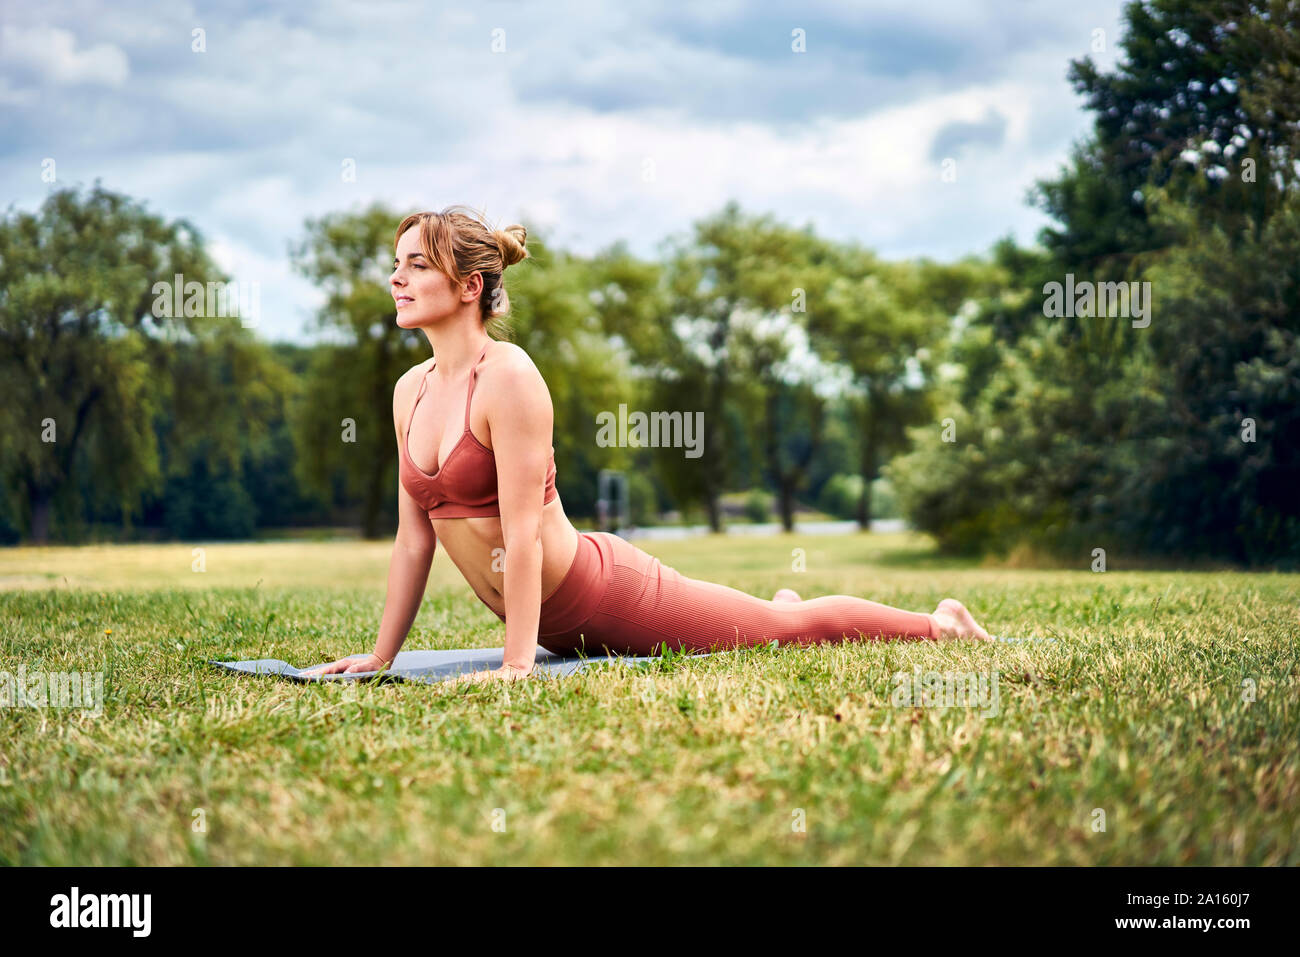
column 459, row 242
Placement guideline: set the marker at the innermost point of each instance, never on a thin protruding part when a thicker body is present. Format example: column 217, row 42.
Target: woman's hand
column 370, row 662
column 505, row 673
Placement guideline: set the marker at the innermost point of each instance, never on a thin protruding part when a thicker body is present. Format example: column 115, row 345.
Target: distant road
column 849, row 527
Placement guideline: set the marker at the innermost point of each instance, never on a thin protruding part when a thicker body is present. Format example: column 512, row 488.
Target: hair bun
column 511, row 243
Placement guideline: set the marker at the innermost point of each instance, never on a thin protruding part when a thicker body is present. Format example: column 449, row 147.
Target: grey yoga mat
column 433, row 666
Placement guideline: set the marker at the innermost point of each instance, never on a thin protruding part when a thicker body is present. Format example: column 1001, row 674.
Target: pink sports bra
column 465, row 484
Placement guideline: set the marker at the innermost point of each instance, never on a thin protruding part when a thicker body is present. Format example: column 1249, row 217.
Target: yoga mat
column 434, row 666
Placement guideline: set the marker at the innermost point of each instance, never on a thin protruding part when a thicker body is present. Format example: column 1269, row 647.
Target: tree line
column 119, row 421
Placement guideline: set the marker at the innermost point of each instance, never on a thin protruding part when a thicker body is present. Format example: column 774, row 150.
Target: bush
column 643, row 501
column 839, row 496
column 758, row 506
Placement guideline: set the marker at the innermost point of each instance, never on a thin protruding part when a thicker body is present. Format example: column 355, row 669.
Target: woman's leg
column 646, row 604
column 954, row 620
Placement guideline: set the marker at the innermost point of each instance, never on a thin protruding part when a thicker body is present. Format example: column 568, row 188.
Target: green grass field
column 1166, row 712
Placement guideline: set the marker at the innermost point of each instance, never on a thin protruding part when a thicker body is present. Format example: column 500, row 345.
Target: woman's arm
column 521, row 420
column 408, row 571
column 408, row 574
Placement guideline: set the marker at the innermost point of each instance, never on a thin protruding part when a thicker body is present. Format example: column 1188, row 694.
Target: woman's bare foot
column 786, row 594
column 956, row 622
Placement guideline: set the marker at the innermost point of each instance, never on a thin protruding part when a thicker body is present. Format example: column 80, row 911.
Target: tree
column 1204, row 104
column 1086, row 430
column 880, row 321
column 710, row 277
column 1221, row 471
column 344, row 424
column 87, row 365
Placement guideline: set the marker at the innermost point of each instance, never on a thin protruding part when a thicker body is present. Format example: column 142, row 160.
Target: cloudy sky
column 592, row 122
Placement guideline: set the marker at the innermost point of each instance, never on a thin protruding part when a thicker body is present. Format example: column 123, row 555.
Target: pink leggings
column 615, row 598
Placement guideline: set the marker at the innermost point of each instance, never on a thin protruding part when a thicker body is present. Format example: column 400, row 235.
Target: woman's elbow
column 525, row 533
column 415, row 545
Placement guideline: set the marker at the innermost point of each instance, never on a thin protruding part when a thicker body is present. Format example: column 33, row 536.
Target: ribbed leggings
column 618, row 599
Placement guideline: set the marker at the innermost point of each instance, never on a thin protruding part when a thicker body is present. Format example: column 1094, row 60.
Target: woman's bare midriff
column 476, row 547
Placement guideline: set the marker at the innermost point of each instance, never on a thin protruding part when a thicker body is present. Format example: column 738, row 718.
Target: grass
column 793, row 755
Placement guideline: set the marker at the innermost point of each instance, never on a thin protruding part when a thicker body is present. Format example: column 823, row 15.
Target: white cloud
column 52, row 53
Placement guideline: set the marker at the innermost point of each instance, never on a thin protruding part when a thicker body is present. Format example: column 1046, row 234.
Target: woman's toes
column 957, row 622
column 786, row 594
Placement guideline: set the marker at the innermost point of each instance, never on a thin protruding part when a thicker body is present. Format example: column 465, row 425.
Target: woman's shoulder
column 507, row 354
column 508, row 364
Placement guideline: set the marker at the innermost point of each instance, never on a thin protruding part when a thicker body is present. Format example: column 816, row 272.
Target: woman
column 477, row 472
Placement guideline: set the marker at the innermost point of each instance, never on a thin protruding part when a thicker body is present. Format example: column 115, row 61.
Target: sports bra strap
column 473, row 376
column 424, row 381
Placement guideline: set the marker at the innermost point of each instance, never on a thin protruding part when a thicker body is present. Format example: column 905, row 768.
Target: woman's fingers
column 334, row 667
column 367, row 664
column 348, row 666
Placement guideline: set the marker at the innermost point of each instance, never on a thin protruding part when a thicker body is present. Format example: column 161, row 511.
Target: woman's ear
column 473, row 286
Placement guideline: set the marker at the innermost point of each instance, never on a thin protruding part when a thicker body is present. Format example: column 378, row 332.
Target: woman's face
column 423, row 294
